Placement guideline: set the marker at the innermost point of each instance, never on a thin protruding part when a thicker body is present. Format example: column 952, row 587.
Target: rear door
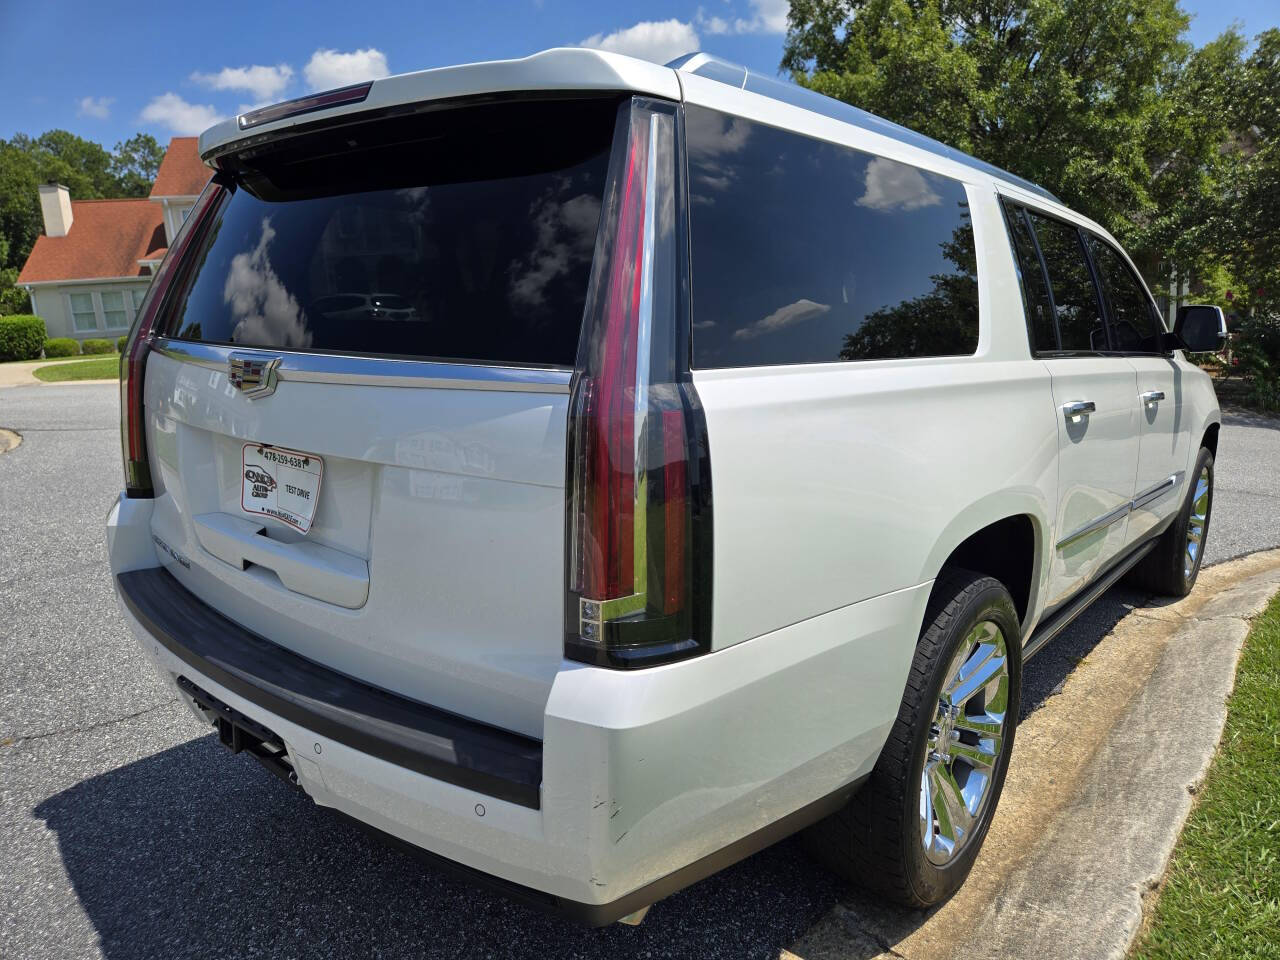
column 1094, row 393
column 1165, row 444
column 357, row 410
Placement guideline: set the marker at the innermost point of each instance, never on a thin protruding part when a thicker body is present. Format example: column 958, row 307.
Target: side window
column 1075, row 298
column 1035, row 291
column 1134, row 327
column 805, row 251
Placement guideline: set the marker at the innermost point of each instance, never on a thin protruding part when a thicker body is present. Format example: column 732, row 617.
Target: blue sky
column 105, row 71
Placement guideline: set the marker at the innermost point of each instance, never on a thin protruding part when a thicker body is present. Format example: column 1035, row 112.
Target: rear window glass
column 805, row 251
column 460, row 235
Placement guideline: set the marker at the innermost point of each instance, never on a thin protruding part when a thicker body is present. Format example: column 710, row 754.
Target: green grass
column 1222, row 897
column 78, row 356
column 104, row 367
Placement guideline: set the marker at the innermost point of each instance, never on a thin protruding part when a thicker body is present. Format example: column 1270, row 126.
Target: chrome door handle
column 1152, row 396
column 1079, row 408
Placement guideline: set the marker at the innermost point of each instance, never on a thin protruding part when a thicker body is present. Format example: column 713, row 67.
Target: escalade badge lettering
column 253, row 376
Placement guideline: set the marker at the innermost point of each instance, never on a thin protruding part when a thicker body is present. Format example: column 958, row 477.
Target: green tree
column 84, row 167
column 1063, row 92
column 1253, row 221
column 135, row 165
column 20, row 221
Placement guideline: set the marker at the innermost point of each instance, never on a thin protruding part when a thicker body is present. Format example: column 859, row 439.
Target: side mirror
column 1201, row 327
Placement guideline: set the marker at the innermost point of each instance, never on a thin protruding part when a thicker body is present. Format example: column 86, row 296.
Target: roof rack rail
column 735, row 75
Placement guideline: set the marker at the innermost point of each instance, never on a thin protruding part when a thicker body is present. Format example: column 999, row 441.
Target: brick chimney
column 55, row 204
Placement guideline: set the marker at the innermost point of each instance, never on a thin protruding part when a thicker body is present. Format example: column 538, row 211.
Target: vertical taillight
column 639, row 521
column 133, row 359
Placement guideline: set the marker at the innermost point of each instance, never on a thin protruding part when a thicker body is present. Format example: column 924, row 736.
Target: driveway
column 127, row 832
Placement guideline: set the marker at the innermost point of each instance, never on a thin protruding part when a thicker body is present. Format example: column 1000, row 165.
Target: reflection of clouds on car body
column 782, row 318
column 893, row 186
column 262, row 309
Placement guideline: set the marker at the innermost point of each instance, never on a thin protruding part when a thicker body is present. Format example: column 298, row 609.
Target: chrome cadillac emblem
column 252, row 374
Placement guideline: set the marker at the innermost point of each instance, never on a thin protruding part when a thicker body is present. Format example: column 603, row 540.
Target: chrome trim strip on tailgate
column 376, row 371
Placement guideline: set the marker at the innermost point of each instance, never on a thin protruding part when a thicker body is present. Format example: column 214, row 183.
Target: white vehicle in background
column 748, row 448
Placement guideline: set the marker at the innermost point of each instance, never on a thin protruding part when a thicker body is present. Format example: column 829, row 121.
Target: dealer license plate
column 281, row 483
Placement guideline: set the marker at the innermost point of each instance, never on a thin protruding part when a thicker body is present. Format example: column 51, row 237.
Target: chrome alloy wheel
column 965, row 741
column 1195, row 525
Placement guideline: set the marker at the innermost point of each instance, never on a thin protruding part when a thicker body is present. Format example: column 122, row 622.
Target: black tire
column 1165, row 570
column 877, row 839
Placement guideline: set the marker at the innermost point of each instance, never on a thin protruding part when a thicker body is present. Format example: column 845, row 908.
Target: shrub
column 97, row 346
column 120, row 342
column 61, row 347
column 21, row 337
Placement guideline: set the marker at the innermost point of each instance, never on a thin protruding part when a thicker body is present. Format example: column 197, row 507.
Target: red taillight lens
column 639, row 494
column 133, row 359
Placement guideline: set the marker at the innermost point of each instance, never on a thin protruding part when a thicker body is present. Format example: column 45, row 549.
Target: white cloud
column 99, row 107
column 782, row 318
column 184, row 119
column 767, row 16
column 264, row 83
column 772, row 15
column 656, row 40
column 896, row 186
column 329, row 68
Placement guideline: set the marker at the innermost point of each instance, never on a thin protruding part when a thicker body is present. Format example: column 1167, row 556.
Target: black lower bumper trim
column 413, row 735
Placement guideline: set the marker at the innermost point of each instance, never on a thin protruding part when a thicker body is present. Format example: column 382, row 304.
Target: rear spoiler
column 570, row 69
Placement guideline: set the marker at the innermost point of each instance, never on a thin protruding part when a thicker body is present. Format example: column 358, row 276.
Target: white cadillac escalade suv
column 587, row 472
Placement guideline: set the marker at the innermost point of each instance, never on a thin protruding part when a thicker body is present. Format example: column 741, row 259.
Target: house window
column 113, row 311
column 83, row 317
column 138, row 294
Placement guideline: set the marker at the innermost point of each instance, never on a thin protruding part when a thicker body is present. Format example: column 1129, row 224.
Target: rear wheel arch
column 1008, row 547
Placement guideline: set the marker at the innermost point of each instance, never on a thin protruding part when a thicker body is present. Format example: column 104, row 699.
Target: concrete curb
column 1102, row 780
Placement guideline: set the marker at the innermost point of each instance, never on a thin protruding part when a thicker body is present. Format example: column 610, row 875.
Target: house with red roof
column 89, row 270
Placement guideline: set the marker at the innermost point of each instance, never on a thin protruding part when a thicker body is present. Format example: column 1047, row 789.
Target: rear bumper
column 278, row 682
column 645, row 781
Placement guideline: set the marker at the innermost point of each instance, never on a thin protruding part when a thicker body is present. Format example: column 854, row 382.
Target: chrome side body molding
column 1150, row 495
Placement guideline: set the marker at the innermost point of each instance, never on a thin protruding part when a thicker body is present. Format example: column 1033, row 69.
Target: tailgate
column 397, row 305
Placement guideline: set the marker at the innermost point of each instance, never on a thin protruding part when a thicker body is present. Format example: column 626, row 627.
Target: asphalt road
column 126, row 831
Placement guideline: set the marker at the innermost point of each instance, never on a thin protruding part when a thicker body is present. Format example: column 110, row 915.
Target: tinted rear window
column 805, row 251
column 463, row 234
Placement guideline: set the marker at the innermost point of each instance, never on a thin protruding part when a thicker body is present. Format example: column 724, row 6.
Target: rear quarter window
column 806, row 252
column 464, row 235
